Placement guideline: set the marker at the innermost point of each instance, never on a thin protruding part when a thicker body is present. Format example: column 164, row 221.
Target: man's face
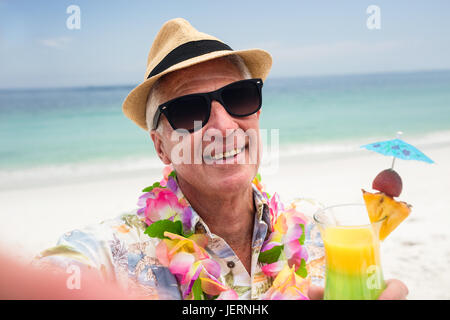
column 222, row 133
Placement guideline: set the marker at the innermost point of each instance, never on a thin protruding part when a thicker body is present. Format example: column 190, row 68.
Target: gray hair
column 155, row 96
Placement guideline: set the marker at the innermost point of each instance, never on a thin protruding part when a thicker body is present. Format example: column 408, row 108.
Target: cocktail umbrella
column 398, row 148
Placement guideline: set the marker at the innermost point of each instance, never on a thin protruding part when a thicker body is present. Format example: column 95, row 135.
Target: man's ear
column 158, row 143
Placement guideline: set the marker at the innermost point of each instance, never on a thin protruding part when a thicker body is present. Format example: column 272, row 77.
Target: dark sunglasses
column 240, row 99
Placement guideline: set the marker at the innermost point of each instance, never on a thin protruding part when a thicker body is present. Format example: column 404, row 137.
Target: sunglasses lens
column 184, row 111
column 242, row 98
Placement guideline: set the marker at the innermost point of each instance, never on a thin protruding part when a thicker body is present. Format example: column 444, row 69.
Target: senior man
column 200, row 231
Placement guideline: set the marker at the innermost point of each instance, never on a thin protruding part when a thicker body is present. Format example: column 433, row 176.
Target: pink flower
column 180, row 265
column 296, row 257
column 275, row 208
column 165, row 205
column 288, row 228
column 272, row 269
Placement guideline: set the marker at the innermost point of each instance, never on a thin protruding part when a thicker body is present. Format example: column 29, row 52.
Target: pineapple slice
column 379, row 205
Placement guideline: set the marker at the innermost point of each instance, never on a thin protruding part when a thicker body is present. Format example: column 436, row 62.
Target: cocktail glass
column 352, row 253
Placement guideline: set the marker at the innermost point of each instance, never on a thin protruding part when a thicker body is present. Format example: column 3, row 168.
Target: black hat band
column 187, row 51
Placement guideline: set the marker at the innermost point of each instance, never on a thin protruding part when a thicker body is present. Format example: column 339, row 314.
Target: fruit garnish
column 380, row 205
column 389, row 182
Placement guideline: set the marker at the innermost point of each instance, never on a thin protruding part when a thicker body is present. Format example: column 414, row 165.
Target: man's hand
column 395, row 290
column 315, row 292
column 20, row 281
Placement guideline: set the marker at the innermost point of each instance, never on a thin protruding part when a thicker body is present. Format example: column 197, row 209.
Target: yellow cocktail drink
column 352, row 255
column 353, row 269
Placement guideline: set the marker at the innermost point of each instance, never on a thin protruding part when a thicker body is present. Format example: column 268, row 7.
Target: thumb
column 315, row 292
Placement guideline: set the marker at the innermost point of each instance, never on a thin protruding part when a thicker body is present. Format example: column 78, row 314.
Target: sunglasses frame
column 208, row 97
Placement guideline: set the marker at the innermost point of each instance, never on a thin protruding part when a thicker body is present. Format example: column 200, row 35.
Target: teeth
column 227, row 154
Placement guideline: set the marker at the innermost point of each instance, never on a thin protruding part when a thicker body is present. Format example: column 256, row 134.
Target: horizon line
column 124, row 85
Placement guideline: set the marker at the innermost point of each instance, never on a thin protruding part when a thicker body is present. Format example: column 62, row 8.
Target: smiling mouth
column 224, row 156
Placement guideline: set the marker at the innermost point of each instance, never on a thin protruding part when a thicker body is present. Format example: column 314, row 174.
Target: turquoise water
column 344, row 107
column 54, row 127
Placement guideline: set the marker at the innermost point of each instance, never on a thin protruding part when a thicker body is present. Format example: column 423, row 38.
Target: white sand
column 418, row 252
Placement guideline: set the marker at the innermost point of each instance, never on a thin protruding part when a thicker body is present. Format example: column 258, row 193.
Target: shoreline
column 63, row 174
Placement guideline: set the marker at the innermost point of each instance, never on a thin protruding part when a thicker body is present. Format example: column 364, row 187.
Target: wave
column 421, row 141
column 60, row 173
column 19, row 178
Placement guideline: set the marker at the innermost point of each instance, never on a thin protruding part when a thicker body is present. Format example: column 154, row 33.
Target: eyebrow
column 185, row 92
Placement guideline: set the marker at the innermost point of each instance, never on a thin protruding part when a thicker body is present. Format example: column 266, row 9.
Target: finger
column 395, row 290
column 315, row 292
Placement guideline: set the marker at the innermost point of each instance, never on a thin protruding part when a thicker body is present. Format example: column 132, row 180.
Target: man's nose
column 220, row 119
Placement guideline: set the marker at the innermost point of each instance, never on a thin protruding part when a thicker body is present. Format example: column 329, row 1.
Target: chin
column 231, row 178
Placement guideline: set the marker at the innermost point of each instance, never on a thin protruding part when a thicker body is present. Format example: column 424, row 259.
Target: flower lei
column 169, row 218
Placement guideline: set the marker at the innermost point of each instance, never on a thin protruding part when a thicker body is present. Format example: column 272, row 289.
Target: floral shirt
column 121, row 252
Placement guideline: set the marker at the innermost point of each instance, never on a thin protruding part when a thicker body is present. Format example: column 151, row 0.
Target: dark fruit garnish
column 389, row 182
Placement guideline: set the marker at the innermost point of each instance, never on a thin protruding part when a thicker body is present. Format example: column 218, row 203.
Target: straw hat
column 179, row 45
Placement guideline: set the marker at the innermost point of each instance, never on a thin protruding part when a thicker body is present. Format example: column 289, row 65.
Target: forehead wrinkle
column 181, row 81
column 192, row 86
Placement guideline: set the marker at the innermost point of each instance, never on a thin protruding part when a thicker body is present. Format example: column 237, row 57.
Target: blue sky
column 313, row 37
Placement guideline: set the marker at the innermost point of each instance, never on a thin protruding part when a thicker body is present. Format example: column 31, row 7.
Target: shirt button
column 230, row 264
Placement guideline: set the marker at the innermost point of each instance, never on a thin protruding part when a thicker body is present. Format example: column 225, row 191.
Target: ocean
column 71, row 131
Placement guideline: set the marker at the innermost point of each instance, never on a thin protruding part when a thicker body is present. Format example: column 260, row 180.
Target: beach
column 331, row 80
column 70, row 158
column 34, row 215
